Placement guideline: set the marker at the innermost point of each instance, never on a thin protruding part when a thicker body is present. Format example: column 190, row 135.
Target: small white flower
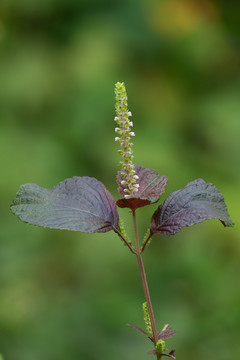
column 124, row 134
column 136, row 186
column 136, row 177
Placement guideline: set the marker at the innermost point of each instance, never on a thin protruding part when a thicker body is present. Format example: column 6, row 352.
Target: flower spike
column 124, row 133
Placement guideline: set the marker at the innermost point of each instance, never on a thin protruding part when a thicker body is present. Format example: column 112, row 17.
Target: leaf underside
column 78, row 203
column 195, row 203
column 151, row 186
column 140, row 330
column 166, row 334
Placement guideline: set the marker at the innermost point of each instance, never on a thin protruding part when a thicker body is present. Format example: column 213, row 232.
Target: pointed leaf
column 166, row 333
column 151, row 186
column 197, row 202
column 152, row 352
column 79, row 204
column 140, row 330
column 171, row 354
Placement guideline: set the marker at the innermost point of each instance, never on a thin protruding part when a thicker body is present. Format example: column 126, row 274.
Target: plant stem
column 145, row 284
column 146, row 242
column 125, row 240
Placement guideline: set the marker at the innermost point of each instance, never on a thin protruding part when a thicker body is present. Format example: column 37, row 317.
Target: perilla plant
column 84, row 204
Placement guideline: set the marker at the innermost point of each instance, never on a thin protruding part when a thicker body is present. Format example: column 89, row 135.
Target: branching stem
column 146, row 242
column 125, row 240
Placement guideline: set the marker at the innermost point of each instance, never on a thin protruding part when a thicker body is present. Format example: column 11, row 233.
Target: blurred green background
column 67, row 295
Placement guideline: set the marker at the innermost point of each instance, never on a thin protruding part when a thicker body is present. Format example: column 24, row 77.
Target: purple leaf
column 197, row 202
column 151, row 186
column 140, row 330
column 132, row 203
column 79, row 204
column 152, row 352
column 171, row 354
column 167, row 333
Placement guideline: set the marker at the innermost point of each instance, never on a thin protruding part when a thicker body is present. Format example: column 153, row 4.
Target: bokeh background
column 67, row 295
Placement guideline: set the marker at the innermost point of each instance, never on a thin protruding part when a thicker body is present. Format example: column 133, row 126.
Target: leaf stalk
column 132, row 249
column 146, row 242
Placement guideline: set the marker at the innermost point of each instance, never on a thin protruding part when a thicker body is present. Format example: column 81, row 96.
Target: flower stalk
column 130, row 186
